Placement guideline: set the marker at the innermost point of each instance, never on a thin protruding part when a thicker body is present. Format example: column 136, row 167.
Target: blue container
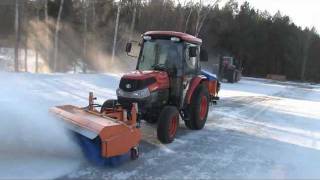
column 209, row 75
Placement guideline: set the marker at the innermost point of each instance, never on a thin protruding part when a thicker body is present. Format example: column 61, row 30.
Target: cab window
column 192, row 62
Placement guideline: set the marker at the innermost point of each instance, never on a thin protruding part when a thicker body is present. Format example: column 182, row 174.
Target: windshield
column 160, row 53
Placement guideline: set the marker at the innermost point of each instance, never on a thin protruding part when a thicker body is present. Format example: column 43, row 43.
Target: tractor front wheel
column 111, row 103
column 134, row 153
column 198, row 108
column 168, row 124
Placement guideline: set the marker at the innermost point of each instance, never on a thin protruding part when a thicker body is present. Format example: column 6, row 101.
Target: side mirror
column 132, row 49
column 128, row 47
column 203, row 55
column 192, row 52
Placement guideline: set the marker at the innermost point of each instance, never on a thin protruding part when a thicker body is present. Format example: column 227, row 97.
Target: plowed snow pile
column 32, row 143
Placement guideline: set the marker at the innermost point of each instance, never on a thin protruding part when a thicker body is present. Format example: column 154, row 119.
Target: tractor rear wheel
column 238, row 76
column 198, row 108
column 168, row 124
column 231, row 76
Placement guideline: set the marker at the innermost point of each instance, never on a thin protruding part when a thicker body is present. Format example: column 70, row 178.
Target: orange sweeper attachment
column 108, row 133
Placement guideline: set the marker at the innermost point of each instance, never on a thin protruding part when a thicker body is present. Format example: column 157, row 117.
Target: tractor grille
column 131, row 85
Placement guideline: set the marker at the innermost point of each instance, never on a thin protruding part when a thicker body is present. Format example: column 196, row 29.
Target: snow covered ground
column 259, row 129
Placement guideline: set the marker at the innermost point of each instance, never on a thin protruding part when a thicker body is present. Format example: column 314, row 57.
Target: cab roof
column 185, row 37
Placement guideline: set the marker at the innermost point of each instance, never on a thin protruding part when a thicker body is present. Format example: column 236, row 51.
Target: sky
column 304, row 13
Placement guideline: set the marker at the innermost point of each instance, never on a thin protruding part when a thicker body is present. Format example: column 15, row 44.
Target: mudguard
column 193, row 85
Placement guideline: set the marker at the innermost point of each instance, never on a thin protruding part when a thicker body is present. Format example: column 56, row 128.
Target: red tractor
column 167, row 84
column 230, row 69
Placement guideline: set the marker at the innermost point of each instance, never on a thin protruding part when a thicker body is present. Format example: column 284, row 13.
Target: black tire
column 189, row 124
column 236, row 77
column 134, row 153
column 239, row 76
column 231, row 76
column 198, row 114
column 111, row 103
column 168, row 124
column 152, row 119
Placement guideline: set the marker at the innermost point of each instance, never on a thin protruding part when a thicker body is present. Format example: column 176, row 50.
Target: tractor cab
column 173, row 52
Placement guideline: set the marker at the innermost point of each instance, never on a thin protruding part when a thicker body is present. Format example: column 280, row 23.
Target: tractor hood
column 144, row 74
column 138, row 80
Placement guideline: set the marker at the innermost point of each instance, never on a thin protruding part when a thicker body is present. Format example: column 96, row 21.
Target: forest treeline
column 69, row 32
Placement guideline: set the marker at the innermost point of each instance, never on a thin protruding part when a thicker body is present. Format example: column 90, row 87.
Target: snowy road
column 259, row 129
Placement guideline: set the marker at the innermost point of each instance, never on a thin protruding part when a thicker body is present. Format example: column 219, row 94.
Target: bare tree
column 116, row 32
column 46, row 11
column 94, row 25
column 93, row 3
column 47, row 26
column 306, row 46
column 198, row 17
column 133, row 21
column 25, row 32
column 56, row 37
column 85, row 29
column 26, row 54
column 188, row 19
column 94, row 16
column 37, row 44
column 202, row 16
column 17, row 35
column 37, row 62
column 180, row 15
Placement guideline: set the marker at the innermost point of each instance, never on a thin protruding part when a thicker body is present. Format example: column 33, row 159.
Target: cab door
column 191, row 67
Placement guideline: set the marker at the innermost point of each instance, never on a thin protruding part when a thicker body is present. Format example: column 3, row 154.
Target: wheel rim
column 173, row 126
column 203, row 107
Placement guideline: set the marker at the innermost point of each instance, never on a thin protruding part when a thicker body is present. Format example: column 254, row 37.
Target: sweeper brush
column 104, row 135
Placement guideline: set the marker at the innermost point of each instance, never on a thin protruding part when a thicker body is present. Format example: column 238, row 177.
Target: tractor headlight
column 140, row 94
